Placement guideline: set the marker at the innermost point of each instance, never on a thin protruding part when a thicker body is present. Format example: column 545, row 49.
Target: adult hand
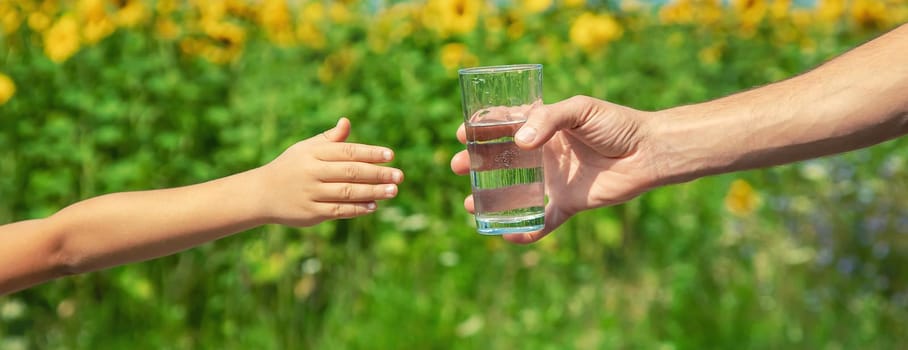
column 595, row 154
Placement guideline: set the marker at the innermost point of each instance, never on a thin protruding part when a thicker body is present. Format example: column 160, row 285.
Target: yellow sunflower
column 742, row 200
column 10, row 18
column 61, row 41
column 96, row 23
column 7, row 88
column 130, row 13
column 535, row 6
column 593, row 31
column 225, row 42
column 38, row 21
column 830, row 10
column 451, row 17
column 456, row 55
column 275, row 18
column 750, row 14
column 869, row 14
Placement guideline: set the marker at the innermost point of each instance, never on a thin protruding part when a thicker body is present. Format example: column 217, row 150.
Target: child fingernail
column 390, row 189
column 395, row 176
column 386, row 154
column 370, row 206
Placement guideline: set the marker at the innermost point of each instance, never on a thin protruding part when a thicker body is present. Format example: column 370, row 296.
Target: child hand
column 323, row 178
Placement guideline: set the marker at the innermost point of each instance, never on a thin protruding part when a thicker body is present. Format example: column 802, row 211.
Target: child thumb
column 339, row 132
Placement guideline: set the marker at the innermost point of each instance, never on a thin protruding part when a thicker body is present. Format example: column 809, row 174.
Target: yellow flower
column 96, row 23
column 802, row 19
column 831, row 10
column 225, row 42
column 275, row 18
column 869, row 14
column 243, row 9
column 7, row 88
column 340, row 13
column 9, row 18
column 451, row 17
column 515, row 25
column 166, row 7
column 742, row 200
column 311, row 36
column 210, row 11
column 702, row 12
column 679, row 12
column 61, row 41
column 456, row 55
column 313, row 12
column 130, row 13
column 49, row 6
column 573, row 3
column 750, row 13
column 591, row 31
column 38, row 21
column 711, row 54
column 779, row 9
column 709, row 12
column 535, row 6
column 191, row 46
column 391, row 26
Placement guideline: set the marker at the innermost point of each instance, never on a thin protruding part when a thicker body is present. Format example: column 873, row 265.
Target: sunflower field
column 100, row 96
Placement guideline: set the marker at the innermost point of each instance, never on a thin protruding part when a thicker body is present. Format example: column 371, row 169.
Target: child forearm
column 124, row 227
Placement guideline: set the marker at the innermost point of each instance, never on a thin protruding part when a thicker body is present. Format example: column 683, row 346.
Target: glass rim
column 500, row 68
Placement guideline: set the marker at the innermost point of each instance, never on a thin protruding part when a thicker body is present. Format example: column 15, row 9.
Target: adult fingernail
column 526, row 134
column 390, row 189
column 370, row 206
column 386, row 154
column 395, row 176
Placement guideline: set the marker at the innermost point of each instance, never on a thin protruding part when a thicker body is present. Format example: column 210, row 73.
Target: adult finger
column 460, row 163
column 462, row 134
column 543, row 123
column 469, row 205
column 553, row 219
column 491, row 132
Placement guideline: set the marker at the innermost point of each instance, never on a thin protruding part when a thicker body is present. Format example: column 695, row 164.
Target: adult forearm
column 103, row 232
column 856, row 100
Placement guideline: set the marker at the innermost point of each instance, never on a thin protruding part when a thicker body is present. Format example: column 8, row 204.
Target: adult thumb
column 542, row 123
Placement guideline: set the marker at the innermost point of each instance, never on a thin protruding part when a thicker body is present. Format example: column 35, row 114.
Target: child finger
column 342, row 151
column 358, row 172
column 351, row 192
column 344, row 210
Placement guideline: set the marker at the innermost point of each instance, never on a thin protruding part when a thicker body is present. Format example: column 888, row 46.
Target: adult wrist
column 687, row 143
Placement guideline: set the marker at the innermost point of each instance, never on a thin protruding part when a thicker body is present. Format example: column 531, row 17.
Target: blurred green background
column 100, row 96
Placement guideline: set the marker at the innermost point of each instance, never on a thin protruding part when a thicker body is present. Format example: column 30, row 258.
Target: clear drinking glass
column 507, row 181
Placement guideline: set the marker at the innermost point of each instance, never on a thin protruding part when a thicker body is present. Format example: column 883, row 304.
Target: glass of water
column 507, row 181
